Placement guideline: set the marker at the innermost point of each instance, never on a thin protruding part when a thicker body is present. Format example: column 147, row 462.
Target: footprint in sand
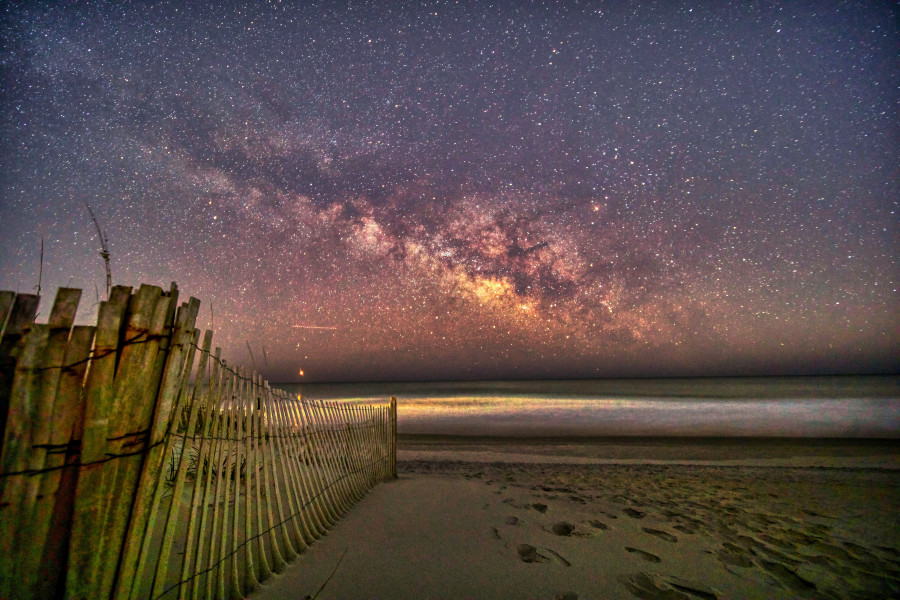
column 684, row 529
column 654, row 587
column 559, row 557
column 634, row 514
column 541, row 508
column 861, row 552
column 664, row 535
column 730, row 554
column 788, row 577
column 692, row 589
column 645, row 555
column 778, row 542
column 529, row 554
column 563, row 528
column 512, row 520
column 598, row 524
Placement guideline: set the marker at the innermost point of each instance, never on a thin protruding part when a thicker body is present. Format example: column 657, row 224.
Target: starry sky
column 469, row 190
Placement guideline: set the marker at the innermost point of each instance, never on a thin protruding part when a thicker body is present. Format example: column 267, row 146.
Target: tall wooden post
column 394, row 437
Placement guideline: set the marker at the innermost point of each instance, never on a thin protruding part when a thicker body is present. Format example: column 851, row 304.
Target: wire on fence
column 273, row 527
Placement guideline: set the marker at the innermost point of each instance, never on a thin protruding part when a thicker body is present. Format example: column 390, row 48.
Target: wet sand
column 650, row 519
column 723, row 451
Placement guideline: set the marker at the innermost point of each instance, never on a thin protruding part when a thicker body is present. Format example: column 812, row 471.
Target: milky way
column 463, row 190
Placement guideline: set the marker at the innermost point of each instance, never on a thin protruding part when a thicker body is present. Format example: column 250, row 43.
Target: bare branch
column 41, row 269
column 251, row 354
column 104, row 249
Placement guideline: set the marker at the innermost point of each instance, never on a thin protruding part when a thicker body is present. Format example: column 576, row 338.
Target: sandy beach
column 638, row 519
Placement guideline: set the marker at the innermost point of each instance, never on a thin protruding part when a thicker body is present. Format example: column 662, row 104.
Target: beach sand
column 645, row 519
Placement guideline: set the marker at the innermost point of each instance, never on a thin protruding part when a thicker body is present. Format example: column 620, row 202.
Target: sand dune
column 460, row 529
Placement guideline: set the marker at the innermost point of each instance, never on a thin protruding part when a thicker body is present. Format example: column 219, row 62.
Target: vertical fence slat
column 201, row 500
column 21, row 316
column 385, row 441
column 343, row 414
column 172, row 395
column 317, row 502
column 307, row 524
column 305, row 528
column 251, row 581
column 264, row 440
column 137, row 388
column 322, row 465
column 229, row 466
column 218, row 466
column 84, row 563
column 393, row 437
column 365, row 450
column 361, row 429
column 308, row 501
column 194, row 422
column 7, row 298
column 322, row 497
column 357, row 418
column 22, row 430
column 311, row 501
column 336, row 451
column 36, row 509
column 278, row 478
column 379, row 450
column 256, row 458
column 370, row 450
column 15, row 456
column 59, row 483
column 373, row 455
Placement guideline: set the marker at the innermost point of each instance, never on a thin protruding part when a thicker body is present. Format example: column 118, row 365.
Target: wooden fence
column 138, row 464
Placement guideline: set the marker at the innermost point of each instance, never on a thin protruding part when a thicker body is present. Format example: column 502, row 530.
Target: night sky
column 443, row 190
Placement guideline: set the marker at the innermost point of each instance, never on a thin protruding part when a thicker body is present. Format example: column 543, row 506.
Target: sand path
column 468, row 530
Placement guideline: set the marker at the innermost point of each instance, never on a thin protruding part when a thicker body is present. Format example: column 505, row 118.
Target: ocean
column 815, row 407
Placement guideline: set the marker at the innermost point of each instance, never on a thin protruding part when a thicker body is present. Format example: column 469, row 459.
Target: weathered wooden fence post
column 393, row 437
